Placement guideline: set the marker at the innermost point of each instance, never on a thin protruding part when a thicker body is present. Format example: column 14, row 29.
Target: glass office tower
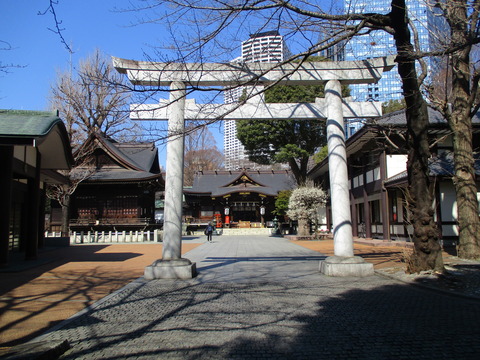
column 380, row 43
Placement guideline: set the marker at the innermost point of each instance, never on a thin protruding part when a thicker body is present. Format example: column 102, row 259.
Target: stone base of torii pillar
column 171, row 269
column 346, row 266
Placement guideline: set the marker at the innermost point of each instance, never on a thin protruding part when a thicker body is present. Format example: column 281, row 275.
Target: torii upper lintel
column 148, row 73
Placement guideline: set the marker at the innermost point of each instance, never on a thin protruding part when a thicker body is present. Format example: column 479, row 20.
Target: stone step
column 246, row 231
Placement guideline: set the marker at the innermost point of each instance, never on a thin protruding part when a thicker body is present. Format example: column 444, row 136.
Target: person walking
column 209, row 232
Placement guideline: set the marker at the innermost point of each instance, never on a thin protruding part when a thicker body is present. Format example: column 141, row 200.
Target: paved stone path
column 263, row 298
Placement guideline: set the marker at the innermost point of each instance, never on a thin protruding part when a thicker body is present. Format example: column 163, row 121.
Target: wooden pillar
column 33, row 204
column 366, row 213
column 6, row 158
column 384, row 192
column 438, row 208
column 353, row 206
column 41, row 220
column 354, row 215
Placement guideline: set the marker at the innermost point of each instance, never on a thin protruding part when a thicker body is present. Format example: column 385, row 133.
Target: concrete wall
column 396, row 164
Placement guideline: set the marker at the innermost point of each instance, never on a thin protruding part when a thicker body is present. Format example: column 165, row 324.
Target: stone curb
column 37, row 350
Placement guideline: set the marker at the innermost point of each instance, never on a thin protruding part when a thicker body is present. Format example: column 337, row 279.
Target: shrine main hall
column 242, row 198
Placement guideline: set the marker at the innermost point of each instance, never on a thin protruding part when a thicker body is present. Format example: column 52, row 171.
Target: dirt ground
column 38, row 298
column 461, row 277
column 380, row 257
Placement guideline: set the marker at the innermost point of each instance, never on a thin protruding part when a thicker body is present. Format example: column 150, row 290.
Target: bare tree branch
column 58, row 29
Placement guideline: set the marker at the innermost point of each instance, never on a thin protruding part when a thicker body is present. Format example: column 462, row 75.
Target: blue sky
column 27, row 42
column 88, row 24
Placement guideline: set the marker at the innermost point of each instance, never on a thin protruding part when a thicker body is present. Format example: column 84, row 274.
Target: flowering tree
column 303, row 206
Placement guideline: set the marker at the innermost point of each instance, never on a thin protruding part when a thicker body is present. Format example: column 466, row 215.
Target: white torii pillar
column 178, row 75
column 172, row 265
column 343, row 263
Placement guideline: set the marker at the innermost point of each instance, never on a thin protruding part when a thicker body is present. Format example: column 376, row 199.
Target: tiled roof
column 144, row 155
column 220, row 183
column 43, row 130
column 127, row 175
column 137, row 162
column 21, row 123
column 396, row 119
column 138, row 156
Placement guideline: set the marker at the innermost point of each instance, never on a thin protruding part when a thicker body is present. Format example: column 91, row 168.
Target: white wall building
column 377, row 177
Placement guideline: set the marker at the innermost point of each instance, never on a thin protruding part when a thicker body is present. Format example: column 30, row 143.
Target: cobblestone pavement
column 263, row 298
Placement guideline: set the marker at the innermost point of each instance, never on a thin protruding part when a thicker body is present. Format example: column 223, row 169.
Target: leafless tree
column 58, row 29
column 456, row 95
column 201, row 153
column 6, row 67
column 93, row 100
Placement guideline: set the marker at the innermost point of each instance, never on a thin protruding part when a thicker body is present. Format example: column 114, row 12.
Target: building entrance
column 245, row 211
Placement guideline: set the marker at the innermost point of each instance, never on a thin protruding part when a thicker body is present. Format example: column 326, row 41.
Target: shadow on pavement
column 344, row 319
column 21, row 271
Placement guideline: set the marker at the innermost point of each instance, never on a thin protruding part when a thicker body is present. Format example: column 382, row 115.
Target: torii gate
column 333, row 108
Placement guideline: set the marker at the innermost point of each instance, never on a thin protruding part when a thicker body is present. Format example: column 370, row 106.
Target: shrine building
column 243, row 198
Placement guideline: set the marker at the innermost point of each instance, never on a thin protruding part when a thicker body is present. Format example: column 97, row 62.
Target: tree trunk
column 303, row 227
column 461, row 125
column 65, row 215
column 427, row 253
column 299, row 175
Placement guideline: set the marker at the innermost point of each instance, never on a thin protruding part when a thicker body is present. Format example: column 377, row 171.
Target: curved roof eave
column 49, row 146
column 43, row 130
column 117, row 178
column 118, row 155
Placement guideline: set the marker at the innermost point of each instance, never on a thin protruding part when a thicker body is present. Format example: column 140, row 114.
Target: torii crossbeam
column 333, row 108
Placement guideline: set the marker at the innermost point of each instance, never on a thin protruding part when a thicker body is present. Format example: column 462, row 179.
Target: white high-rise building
column 264, row 47
column 261, row 47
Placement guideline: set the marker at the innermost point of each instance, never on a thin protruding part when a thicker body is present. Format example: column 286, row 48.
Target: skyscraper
column 261, row 47
column 379, row 43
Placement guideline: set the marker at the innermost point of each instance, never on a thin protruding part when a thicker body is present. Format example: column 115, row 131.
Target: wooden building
column 243, row 198
column 378, row 179
column 120, row 192
column 33, row 146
